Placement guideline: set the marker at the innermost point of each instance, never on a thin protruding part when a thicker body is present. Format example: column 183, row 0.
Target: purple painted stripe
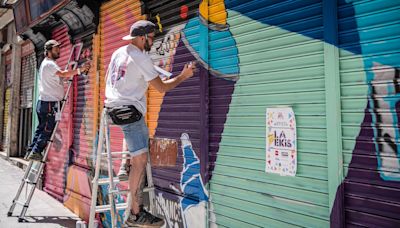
column 369, row 220
column 372, row 206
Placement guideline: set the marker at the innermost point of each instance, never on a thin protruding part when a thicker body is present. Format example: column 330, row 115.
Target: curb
column 19, row 162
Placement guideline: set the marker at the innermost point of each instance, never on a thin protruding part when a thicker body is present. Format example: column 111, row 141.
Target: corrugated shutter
column 84, row 110
column 7, row 99
column 57, row 164
column 369, row 35
column 5, row 117
column 28, row 63
column 279, row 65
column 116, row 17
column 28, row 69
column 84, row 116
column 181, row 110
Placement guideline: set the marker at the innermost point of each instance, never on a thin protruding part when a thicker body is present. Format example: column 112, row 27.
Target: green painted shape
column 267, row 213
column 309, row 171
column 266, row 81
column 230, row 217
column 333, row 105
column 305, row 189
column 284, row 203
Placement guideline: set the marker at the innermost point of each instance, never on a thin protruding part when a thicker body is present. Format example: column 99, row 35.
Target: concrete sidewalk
column 44, row 211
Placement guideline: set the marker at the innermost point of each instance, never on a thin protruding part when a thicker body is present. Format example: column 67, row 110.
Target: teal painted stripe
column 243, row 120
column 258, row 132
column 314, row 172
column 304, row 157
column 318, row 147
column 307, row 190
column 300, row 110
column 333, row 111
column 266, row 212
column 231, row 217
column 281, row 203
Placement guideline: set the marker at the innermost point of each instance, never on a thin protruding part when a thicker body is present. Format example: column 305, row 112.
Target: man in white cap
column 51, row 92
column 128, row 75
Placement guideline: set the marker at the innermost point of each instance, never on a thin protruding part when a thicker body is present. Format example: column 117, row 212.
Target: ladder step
column 117, row 153
column 112, row 159
column 104, row 208
column 148, row 189
column 20, row 203
column 118, row 192
column 29, row 181
column 103, row 181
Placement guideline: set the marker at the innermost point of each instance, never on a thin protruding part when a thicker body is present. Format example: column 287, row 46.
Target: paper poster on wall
column 281, row 150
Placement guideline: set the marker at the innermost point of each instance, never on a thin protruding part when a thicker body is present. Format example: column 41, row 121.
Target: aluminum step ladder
column 33, row 172
column 104, row 153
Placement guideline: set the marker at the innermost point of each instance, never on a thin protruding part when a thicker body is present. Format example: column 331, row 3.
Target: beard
column 55, row 55
column 147, row 46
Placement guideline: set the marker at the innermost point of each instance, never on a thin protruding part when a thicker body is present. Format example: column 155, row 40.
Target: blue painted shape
column 302, row 16
column 192, row 185
column 221, row 42
column 104, row 192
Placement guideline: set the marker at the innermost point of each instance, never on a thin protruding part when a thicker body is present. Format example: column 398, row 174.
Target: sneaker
column 123, row 172
column 35, row 156
column 144, row 219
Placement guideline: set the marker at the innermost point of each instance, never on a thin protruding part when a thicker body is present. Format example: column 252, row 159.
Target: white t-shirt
column 50, row 85
column 127, row 77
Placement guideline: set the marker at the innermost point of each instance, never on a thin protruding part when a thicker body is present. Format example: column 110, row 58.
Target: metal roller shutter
column 58, row 157
column 28, row 75
column 369, row 35
column 116, row 17
column 84, row 116
column 84, row 107
column 28, row 65
column 183, row 110
column 5, row 117
column 281, row 62
column 7, row 99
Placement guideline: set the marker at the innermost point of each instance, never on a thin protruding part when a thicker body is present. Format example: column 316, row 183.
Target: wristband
column 79, row 71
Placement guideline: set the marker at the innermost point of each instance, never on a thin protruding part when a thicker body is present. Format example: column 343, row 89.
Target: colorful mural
column 176, row 44
column 250, row 55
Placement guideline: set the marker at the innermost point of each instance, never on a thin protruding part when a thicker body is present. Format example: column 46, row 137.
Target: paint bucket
column 163, row 152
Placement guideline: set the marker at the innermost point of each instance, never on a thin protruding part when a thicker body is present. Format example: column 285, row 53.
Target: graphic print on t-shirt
column 118, row 68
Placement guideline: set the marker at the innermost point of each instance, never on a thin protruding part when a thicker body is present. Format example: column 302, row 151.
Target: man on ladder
column 129, row 73
column 51, row 93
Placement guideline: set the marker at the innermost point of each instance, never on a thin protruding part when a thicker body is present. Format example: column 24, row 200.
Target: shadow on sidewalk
column 64, row 221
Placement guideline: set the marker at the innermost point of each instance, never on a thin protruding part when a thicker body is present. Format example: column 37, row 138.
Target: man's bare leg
column 136, row 181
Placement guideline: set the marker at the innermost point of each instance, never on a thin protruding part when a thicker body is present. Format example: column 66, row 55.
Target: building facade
column 335, row 63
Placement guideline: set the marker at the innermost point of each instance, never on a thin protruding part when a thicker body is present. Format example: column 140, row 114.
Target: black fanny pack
column 124, row 114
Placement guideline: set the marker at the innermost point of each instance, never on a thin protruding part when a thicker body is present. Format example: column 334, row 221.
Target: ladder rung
column 148, row 189
column 104, row 208
column 102, row 181
column 117, row 153
column 112, row 158
column 29, row 181
column 118, row 192
column 20, row 203
column 32, row 169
